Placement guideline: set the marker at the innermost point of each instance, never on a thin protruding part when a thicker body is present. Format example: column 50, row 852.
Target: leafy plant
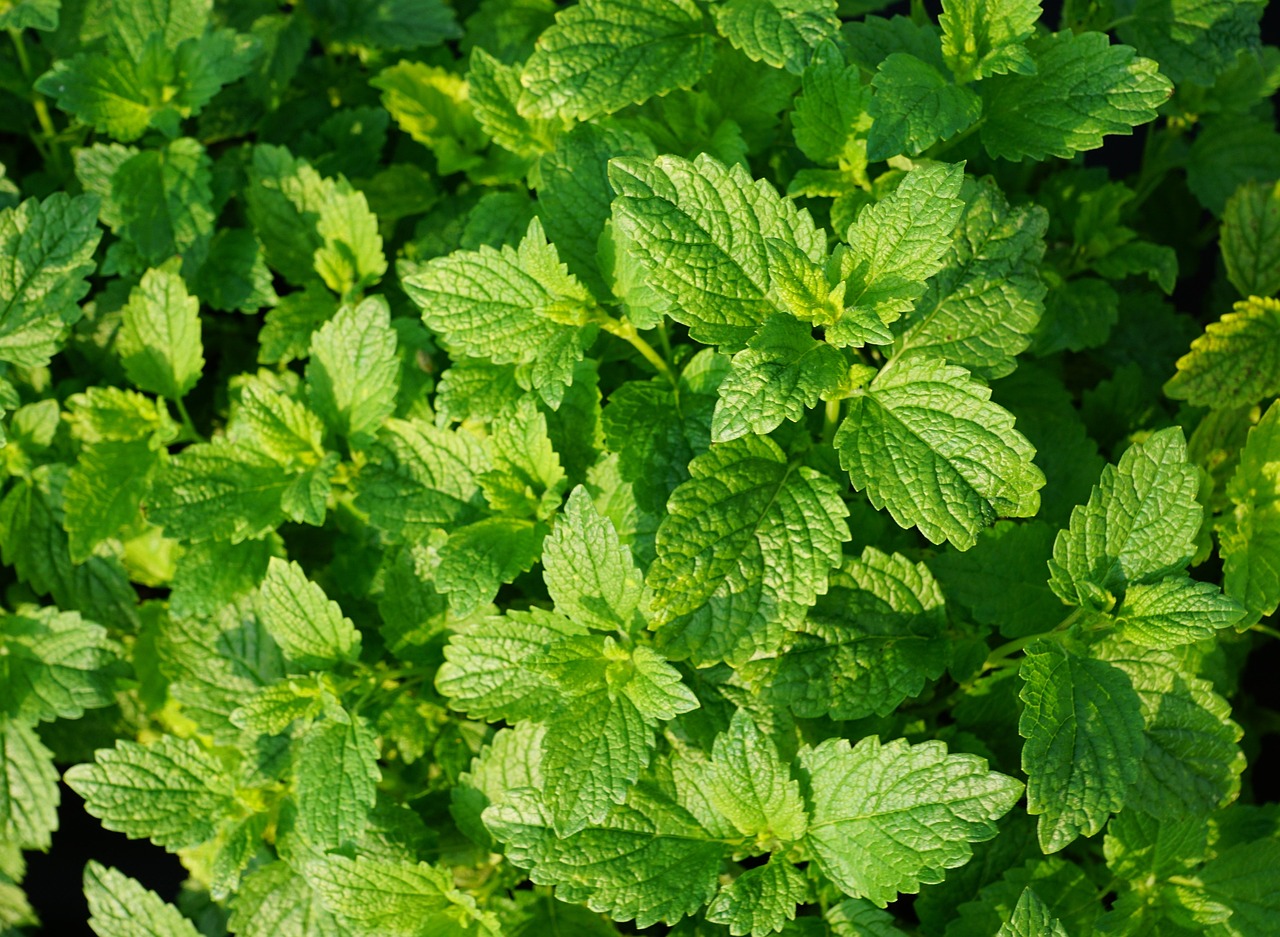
column 645, row 465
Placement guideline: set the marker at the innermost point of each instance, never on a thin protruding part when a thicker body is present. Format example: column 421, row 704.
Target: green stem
column 941, row 147
column 625, row 330
column 1002, row 653
column 188, row 428
column 49, row 134
column 1263, row 629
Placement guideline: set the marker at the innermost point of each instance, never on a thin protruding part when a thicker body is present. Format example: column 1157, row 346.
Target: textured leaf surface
column 700, row 230
column 602, row 55
column 1237, row 360
column 751, row 786
column 925, row 441
column 54, row 665
column 311, row 630
column 120, row 907
column 1083, row 725
column 760, row 900
column 335, row 780
column 981, row 38
column 1251, row 239
column 171, row 792
column 747, row 521
column 1140, row 522
column 589, row 572
column 915, row 106
column 912, row 810
column 873, row 640
column 28, row 787
column 1174, row 612
column 1083, row 89
column 159, row 341
column 1194, row 40
column 354, row 373
column 648, row 861
column 779, row 32
column 1250, row 536
column 1032, row 918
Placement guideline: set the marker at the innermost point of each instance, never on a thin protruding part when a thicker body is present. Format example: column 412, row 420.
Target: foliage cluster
column 682, row 466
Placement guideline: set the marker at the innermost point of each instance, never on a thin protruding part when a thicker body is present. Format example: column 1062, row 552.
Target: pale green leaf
column 526, row 479
column 875, row 639
column 602, row 55
column 761, row 900
column 310, row 629
column 914, row 107
column 431, row 104
column 982, row 37
column 159, row 341
column 172, row 792
column 783, row 372
column 1174, row 612
column 212, row 491
column 120, row 907
column 895, row 246
column 589, row 572
column 28, row 788
column 925, row 441
column 781, row 33
column 1140, row 523
column 700, row 230
column 54, row 665
column 746, row 524
column 104, row 489
column 1236, row 362
column 1083, row 724
column 397, row 899
column 980, row 309
column 1251, row 239
column 889, row 818
column 353, row 374
column 275, row 901
column 335, row 779
column 1084, row 88
column 648, row 861
column 48, row 249
column 752, row 786
column 481, row 557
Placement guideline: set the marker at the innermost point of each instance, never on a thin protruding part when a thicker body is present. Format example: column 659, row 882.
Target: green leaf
column 648, row 861
column 1249, row 537
column 335, row 779
column 746, row 524
column 1192, row 761
column 275, row 901
column 54, row 665
column 484, row 673
column 1083, row 89
column 431, row 104
column 120, row 907
column 589, row 572
column 234, row 277
column 104, row 490
column 310, row 629
column 1193, row 40
column 889, row 818
column 387, row 24
column 159, row 342
column 925, row 441
column 212, row 491
column 1140, row 523
column 602, row 55
column 172, row 792
column 29, row 794
column 830, row 115
column 781, row 373
column 982, row 38
column 980, row 309
column 481, row 557
column 873, row 640
column 895, row 246
column 526, row 478
column 516, row 305
column 310, row 225
column 1083, row 725
column 760, row 900
column 1236, row 362
column 353, row 374
column 420, row 477
column 915, row 106
column 1235, row 892
column 751, row 786
column 31, row 14
column 397, row 899
column 1032, row 918
column 1174, row 612
column 49, row 246
column 1229, row 151
column 1250, row 235
column 781, row 33
column 163, row 200
column 700, row 230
